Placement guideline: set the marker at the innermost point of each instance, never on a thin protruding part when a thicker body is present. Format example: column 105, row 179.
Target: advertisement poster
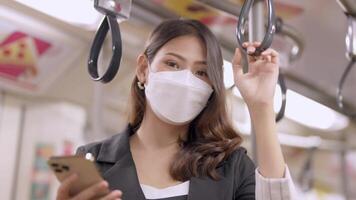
column 32, row 53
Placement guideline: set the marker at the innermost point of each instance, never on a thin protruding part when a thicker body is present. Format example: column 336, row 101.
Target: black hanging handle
column 350, row 54
column 240, row 29
column 286, row 30
column 339, row 96
column 282, row 85
column 108, row 23
column 265, row 44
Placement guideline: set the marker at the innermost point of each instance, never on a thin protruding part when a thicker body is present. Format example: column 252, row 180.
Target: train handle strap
column 240, row 29
column 282, row 85
column 291, row 33
column 351, row 55
column 108, row 23
column 114, row 11
column 339, row 96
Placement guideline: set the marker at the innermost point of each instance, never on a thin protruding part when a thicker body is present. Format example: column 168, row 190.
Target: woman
column 179, row 143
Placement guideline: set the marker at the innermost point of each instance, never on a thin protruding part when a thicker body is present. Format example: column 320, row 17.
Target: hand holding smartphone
column 87, row 181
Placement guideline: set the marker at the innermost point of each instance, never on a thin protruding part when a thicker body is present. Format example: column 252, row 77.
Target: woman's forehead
column 188, row 47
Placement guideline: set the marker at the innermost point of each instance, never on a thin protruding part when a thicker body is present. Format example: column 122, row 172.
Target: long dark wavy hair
column 211, row 137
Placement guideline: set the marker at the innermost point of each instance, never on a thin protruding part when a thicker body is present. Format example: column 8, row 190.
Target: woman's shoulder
column 240, row 161
column 92, row 147
column 240, row 168
column 238, row 154
column 107, row 148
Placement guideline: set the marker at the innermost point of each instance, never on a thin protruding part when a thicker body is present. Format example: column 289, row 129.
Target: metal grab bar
column 348, row 6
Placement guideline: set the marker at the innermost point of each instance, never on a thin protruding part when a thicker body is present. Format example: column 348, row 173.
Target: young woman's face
column 185, row 52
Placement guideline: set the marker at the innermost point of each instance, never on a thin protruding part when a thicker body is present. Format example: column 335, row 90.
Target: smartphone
column 64, row 166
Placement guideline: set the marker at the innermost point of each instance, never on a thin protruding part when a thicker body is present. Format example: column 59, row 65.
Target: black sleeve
column 80, row 151
column 92, row 148
column 246, row 182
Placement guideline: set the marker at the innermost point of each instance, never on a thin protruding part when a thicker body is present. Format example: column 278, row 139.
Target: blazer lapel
column 122, row 175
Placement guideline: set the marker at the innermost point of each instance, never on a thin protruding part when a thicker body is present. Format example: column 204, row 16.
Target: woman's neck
column 155, row 134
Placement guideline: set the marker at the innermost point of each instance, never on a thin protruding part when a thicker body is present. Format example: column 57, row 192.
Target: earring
column 140, row 85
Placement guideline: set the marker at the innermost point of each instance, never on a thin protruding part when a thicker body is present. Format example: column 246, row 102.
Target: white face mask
column 176, row 97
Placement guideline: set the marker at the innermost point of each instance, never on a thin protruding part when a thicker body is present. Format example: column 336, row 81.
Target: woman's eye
column 202, row 73
column 172, row 64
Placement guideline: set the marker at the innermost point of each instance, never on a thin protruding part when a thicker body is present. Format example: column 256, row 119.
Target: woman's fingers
column 251, row 46
column 63, row 190
column 266, row 58
column 250, row 49
column 272, row 55
column 95, row 190
column 268, row 55
column 236, row 62
column 256, row 44
column 114, row 195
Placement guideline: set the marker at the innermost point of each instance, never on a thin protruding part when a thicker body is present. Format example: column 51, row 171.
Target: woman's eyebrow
column 182, row 58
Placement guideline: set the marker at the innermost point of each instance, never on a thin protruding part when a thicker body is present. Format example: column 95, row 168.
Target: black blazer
column 114, row 161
